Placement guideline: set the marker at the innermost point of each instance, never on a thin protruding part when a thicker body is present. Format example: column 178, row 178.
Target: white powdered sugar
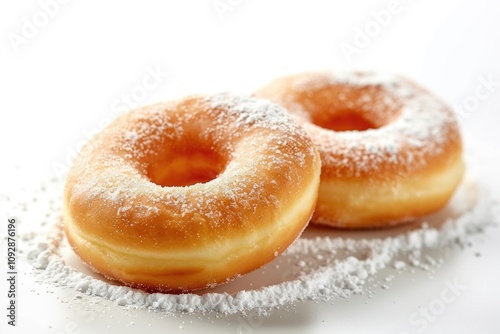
column 322, row 265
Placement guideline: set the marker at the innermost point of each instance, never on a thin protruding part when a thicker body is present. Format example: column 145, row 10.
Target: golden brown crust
column 135, row 209
column 381, row 139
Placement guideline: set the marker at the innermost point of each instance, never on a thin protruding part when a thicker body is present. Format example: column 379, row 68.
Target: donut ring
column 390, row 150
column 189, row 194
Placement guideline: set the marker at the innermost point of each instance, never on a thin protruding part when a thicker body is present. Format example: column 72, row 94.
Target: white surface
column 70, row 77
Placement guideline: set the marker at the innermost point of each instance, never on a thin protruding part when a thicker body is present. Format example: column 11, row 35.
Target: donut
column 391, row 151
column 188, row 194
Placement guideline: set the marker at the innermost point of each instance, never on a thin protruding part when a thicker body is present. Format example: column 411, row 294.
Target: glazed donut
column 189, row 194
column 390, row 150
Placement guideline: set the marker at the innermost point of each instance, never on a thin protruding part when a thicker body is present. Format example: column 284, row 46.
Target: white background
column 64, row 77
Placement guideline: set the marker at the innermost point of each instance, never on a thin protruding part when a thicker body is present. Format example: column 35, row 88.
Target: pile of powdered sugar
column 322, row 265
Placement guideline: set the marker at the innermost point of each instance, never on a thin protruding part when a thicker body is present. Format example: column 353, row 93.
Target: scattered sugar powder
column 322, row 265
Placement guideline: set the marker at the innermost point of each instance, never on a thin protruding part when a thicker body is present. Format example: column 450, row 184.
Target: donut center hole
column 345, row 122
column 185, row 168
column 352, row 108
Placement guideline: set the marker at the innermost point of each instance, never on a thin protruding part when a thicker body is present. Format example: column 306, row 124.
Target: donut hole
column 346, row 122
column 185, row 168
column 351, row 108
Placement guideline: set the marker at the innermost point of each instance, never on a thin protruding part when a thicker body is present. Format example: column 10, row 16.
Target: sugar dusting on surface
column 323, row 265
column 320, row 266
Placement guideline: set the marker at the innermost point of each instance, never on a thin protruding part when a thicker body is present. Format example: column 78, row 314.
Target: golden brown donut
column 192, row 193
column 390, row 150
